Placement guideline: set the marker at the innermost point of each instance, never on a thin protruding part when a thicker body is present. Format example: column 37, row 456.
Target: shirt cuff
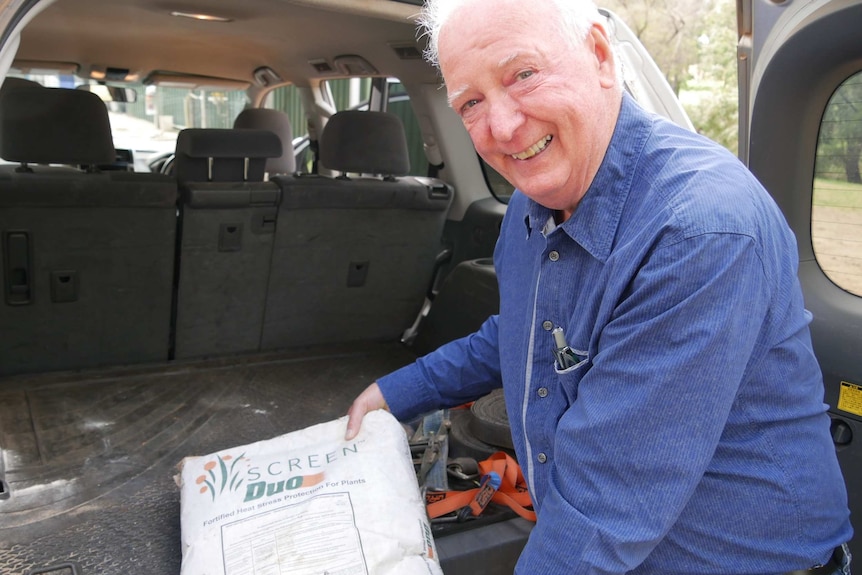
column 407, row 393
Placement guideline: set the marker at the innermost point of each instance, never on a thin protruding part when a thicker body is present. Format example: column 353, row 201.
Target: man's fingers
column 354, row 420
column 368, row 400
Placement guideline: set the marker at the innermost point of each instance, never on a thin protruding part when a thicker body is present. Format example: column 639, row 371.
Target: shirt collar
column 596, row 219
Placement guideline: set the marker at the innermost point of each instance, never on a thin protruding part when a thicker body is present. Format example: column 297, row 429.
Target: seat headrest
column 221, row 155
column 11, row 83
column 54, row 126
column 278, row 123
column 365, row 143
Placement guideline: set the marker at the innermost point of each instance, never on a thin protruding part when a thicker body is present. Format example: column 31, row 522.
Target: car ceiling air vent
column 321, row 65
column 407, row 51
column 354, row 65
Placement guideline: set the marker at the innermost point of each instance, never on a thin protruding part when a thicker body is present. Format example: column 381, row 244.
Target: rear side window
column 836, row 216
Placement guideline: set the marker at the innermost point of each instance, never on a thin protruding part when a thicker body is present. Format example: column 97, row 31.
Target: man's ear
column 600, row 44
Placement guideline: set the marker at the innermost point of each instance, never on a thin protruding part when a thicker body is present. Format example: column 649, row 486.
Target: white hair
column 576, row 18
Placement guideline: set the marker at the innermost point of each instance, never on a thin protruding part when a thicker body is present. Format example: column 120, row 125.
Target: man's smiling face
column 539, row 108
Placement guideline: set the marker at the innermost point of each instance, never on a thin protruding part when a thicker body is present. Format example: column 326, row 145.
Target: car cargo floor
column 89, row 457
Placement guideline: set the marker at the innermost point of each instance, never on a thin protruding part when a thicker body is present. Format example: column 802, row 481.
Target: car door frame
column 792, row 57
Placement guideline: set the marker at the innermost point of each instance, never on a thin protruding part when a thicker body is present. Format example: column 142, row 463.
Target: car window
column 499, row 186
column 148, row 126
column 836, row 214
column 399, row 104
column 288, row 100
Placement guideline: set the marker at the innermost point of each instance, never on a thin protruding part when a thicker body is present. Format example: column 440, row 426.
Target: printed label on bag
column 321, row 531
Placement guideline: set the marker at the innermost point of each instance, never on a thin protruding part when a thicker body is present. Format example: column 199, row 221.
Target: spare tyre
column 462, row 442
column 490, row 422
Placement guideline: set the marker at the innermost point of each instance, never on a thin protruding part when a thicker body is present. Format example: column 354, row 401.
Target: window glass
column 149, row 125
column 399, row 104
column 355, row 94
column 350, row 93
column 836, row 216
column 500, row 186
column 288, row 100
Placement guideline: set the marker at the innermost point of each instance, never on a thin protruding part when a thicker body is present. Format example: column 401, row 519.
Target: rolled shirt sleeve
column 458, row 372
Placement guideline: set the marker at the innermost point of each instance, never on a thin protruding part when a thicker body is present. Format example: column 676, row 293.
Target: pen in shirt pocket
column 565, row 356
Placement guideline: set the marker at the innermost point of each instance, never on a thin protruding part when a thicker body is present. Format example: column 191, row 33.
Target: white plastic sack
column 308, row 502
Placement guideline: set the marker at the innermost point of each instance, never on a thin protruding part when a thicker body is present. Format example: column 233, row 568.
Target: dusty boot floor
column 90, row 457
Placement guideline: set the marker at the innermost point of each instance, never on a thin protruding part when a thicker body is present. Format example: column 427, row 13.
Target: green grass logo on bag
column 215, row 484
column 225, row 472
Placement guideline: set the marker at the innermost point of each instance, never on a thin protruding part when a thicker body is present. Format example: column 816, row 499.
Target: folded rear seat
column 87, row 257
column 354, row 255
column 227, row 225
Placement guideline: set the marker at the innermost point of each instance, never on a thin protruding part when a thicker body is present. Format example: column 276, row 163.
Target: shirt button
column 547, row 325
column 542, row 458
column 543, row 392
column 554, row 255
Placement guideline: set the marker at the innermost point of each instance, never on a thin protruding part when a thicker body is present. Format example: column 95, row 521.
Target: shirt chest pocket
column 570, row 377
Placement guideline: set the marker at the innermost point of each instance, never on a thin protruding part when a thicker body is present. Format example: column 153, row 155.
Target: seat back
column 227, row 225
column 354, row 256
column 87, row 257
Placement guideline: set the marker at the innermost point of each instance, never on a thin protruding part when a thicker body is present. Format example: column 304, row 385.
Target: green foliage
column 694, row 44
column 715, row 112
column 669, row 30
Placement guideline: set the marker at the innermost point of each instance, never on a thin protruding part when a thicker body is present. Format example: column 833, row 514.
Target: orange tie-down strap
column 511, row 493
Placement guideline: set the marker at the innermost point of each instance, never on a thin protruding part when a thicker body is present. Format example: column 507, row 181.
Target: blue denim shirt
column 691, row 437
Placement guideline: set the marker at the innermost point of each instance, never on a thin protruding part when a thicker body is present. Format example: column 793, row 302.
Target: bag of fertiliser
column 308, row 502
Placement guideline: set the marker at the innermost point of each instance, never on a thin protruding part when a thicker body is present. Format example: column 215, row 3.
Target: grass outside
column 837, row 194
column 836, row 232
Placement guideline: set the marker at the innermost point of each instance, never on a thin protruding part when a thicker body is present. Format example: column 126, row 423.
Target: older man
column 683, row 431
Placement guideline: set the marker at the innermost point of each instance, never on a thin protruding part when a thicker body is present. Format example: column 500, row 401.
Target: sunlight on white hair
column 576, row 17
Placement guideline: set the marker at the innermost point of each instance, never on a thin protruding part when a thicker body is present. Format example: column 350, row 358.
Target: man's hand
column 368, row 400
